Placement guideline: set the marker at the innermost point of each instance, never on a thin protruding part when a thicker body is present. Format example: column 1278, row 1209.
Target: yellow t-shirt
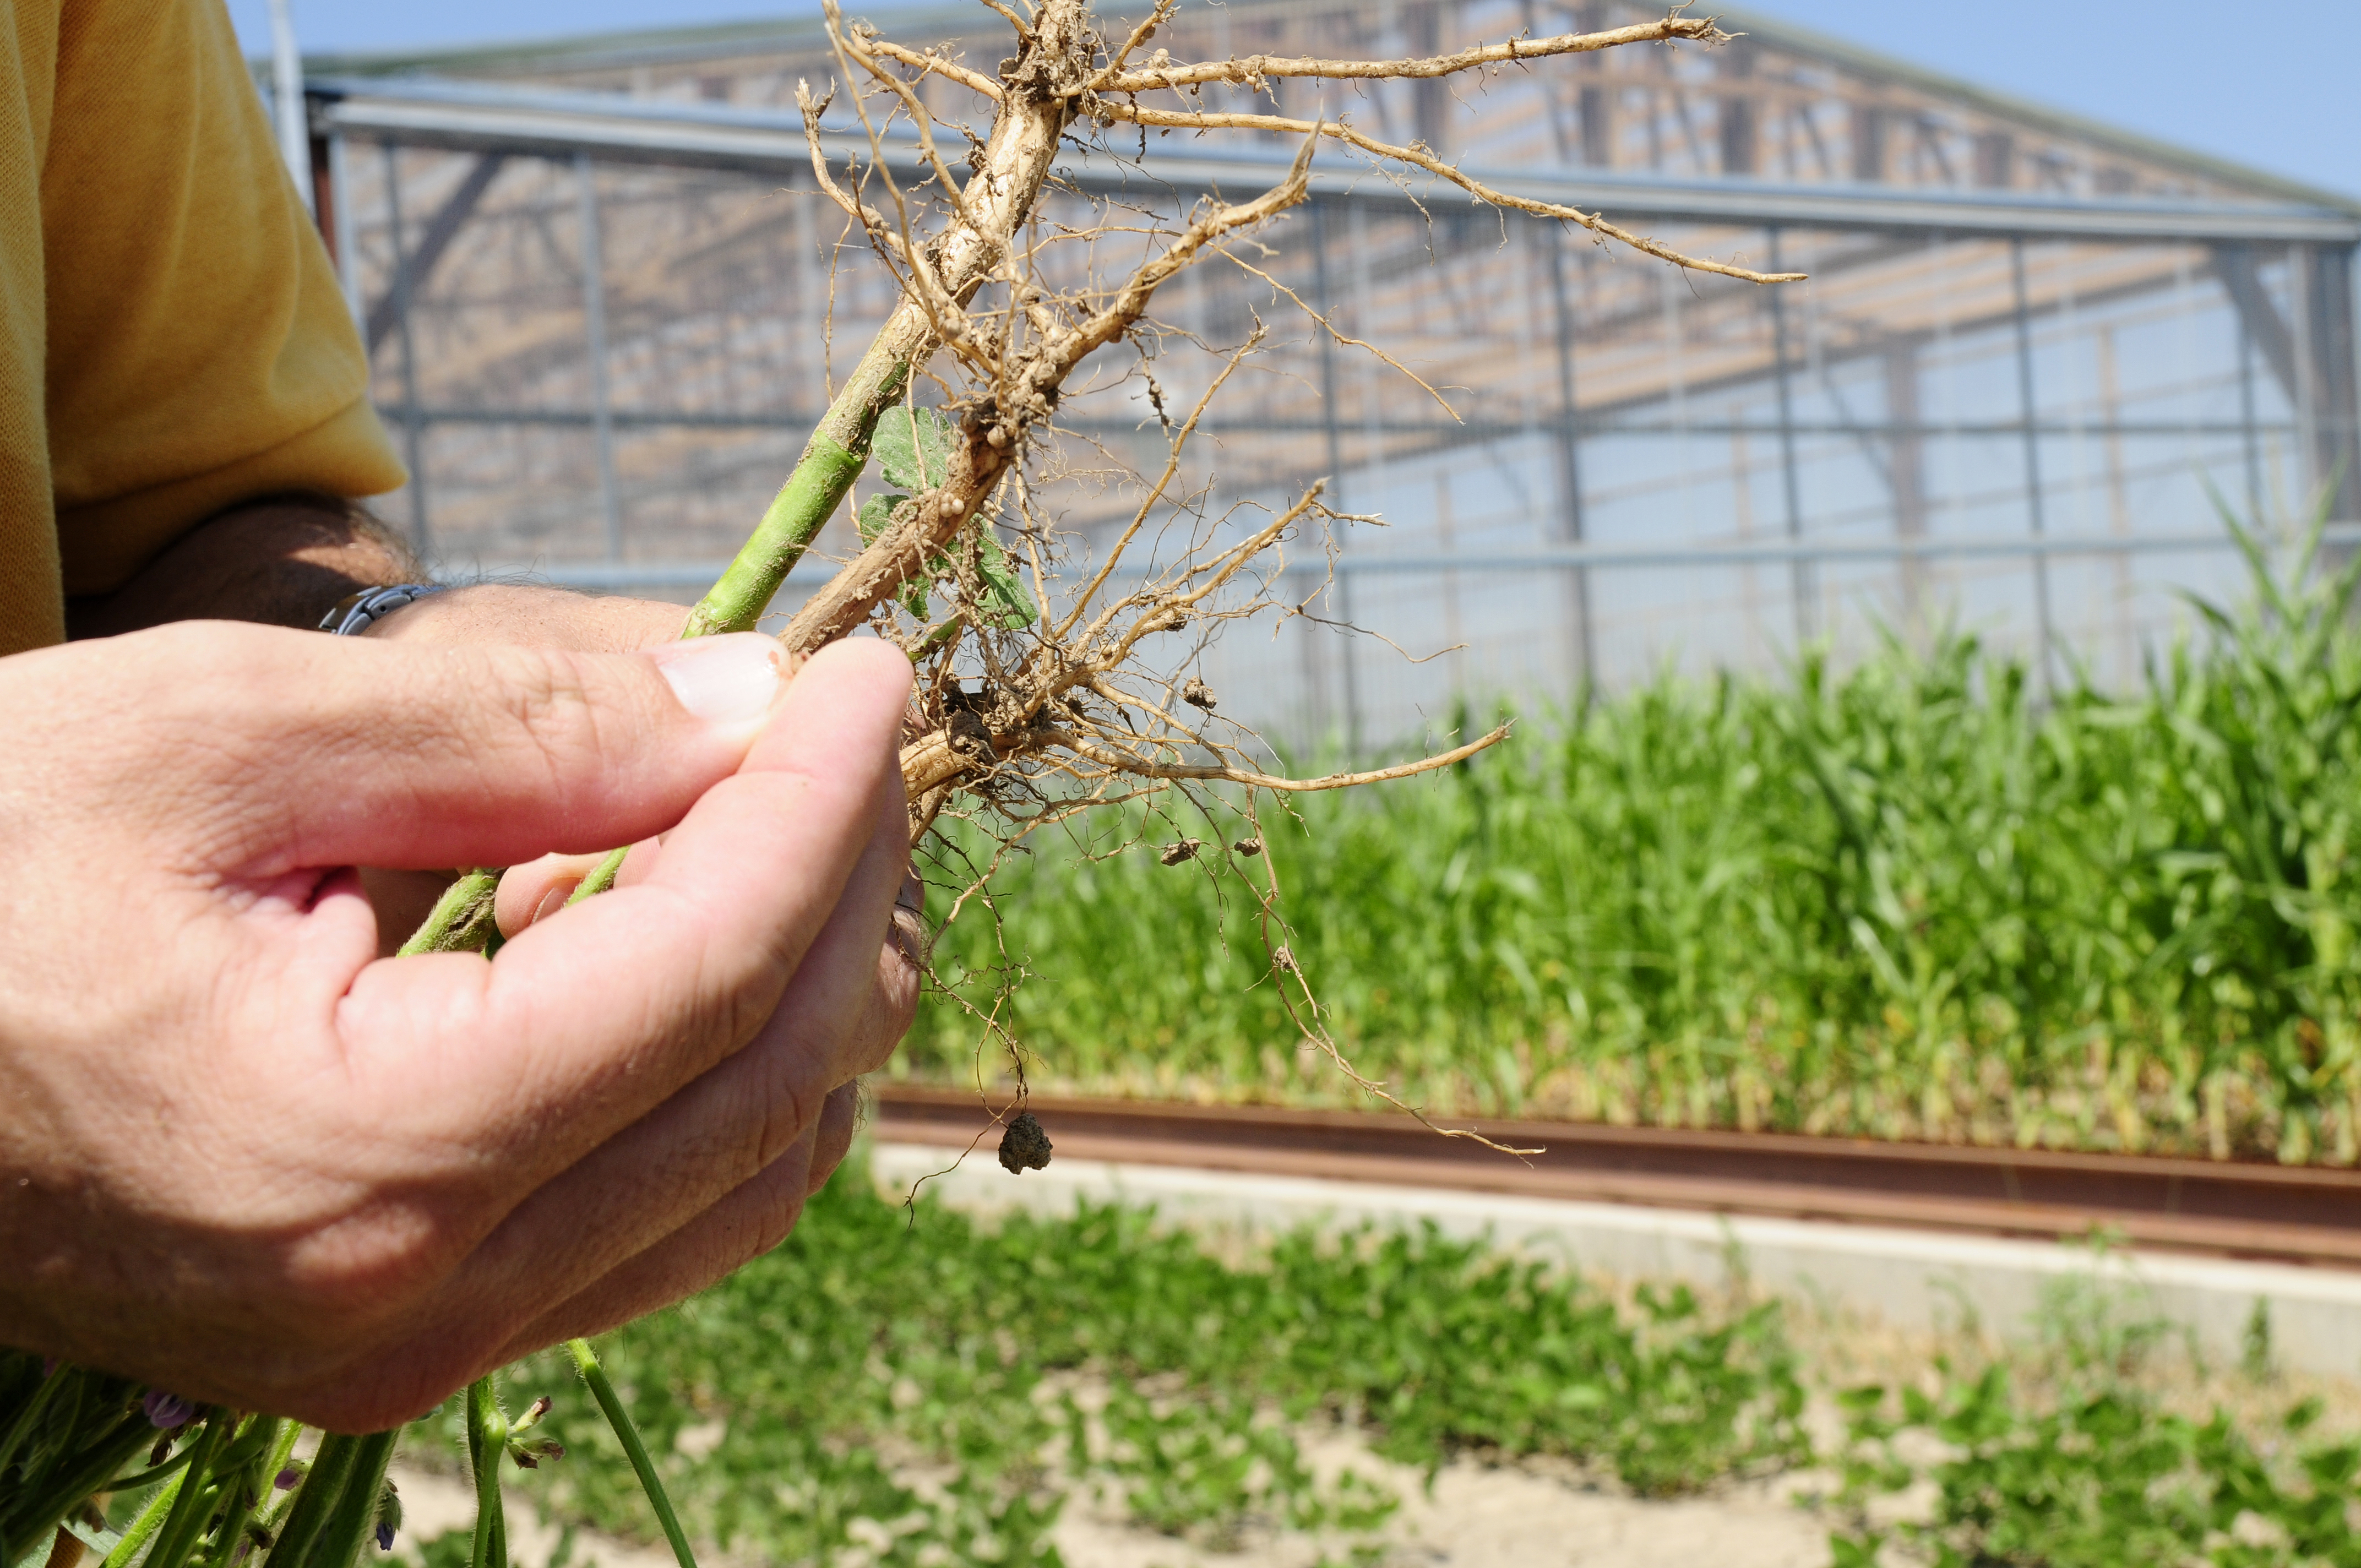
column 173, row 340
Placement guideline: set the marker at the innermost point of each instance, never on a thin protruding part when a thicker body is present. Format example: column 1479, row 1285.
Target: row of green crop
column 1918, row 897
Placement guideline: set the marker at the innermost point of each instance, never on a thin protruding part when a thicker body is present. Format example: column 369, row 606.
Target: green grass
column 911, row 1390
column 1905, row 899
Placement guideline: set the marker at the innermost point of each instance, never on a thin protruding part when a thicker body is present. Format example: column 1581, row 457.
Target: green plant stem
column 136, row 1533
column 602, row 1388
column 59, row 1495
column 253, row 1485
column 252, row 1440
column 355, row 1513
column 282, row 1452
column 62, row 1455
column 322, row 1488
column 602, row 878
column 171, row 1466
column 1010, row 170
column 191, row 1507
column 488, row 1436
column 461, row 920
column 832, row 458
column 22, row 1425
column 274, row 1518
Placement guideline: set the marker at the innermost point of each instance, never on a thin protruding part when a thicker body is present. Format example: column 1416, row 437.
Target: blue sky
column 2279, row 96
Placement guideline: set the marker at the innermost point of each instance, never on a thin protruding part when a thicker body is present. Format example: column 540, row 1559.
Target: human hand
column 484, row 614
column 243, row 1158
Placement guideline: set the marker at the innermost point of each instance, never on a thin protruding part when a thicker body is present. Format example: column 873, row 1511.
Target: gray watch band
column 352, row 614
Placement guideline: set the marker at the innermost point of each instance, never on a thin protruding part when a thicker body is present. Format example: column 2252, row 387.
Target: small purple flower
column 286, row 1479
column 384, row 1537
column 49, row 1364
column 167, row 1411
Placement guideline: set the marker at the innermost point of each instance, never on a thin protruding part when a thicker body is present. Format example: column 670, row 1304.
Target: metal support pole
column 286, row 86
column 2119, row 504
column 2307, row 376
column 594, row 326
column 811, row 333
column 2336, row 365
column 2033, row 512
column 412, row 424
column 348, row 264
column 1803, row 580
column 1906, row 470
column 1343, row 589
column 2252, row 442
column 1569, row 440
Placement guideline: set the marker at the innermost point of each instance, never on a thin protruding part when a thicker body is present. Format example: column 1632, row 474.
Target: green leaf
column 913, row 446
column 874, row 514
column 1005, row 604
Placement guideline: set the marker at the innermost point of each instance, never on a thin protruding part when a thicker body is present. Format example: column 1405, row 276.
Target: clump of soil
column 1024, row 1146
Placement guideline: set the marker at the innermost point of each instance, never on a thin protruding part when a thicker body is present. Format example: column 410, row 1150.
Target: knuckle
column 352, row 1281
column 550, row 709
column 780, row 1204
column 790, row 1107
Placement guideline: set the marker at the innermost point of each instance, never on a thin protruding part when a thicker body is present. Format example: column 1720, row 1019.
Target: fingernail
column 727, row 680
column 553, row 901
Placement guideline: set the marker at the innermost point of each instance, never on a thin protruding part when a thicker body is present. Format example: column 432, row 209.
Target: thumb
column 300, row 750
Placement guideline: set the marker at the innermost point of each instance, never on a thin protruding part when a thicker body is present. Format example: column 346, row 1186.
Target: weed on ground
column 2103, row 1439
column 927, row 1388
column 891, row 1386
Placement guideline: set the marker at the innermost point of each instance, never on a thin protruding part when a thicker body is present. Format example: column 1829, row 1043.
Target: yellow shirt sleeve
column 199, row 351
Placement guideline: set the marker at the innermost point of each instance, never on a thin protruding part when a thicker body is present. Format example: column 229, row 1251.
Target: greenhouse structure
column 2036, row 362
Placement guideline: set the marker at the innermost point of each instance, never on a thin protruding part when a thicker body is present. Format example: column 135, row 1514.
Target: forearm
column 281, row 561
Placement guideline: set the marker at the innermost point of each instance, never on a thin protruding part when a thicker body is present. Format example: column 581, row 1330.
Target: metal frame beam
column 2035, row 521
column 1803, row 582
column 594, row 327
column 477, row 117
column 1473, row 432
column 1586, row 557
column 1569, row 451
column 1325, row 303
column 413, row 270
column 414, row 426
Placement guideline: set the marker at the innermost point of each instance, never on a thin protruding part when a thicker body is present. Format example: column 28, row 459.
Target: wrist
column 281, row 561
column 354, row 614
column 480, row 614
column 454, row 613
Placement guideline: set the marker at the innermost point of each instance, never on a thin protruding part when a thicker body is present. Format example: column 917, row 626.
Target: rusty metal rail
column 2232, row 1208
